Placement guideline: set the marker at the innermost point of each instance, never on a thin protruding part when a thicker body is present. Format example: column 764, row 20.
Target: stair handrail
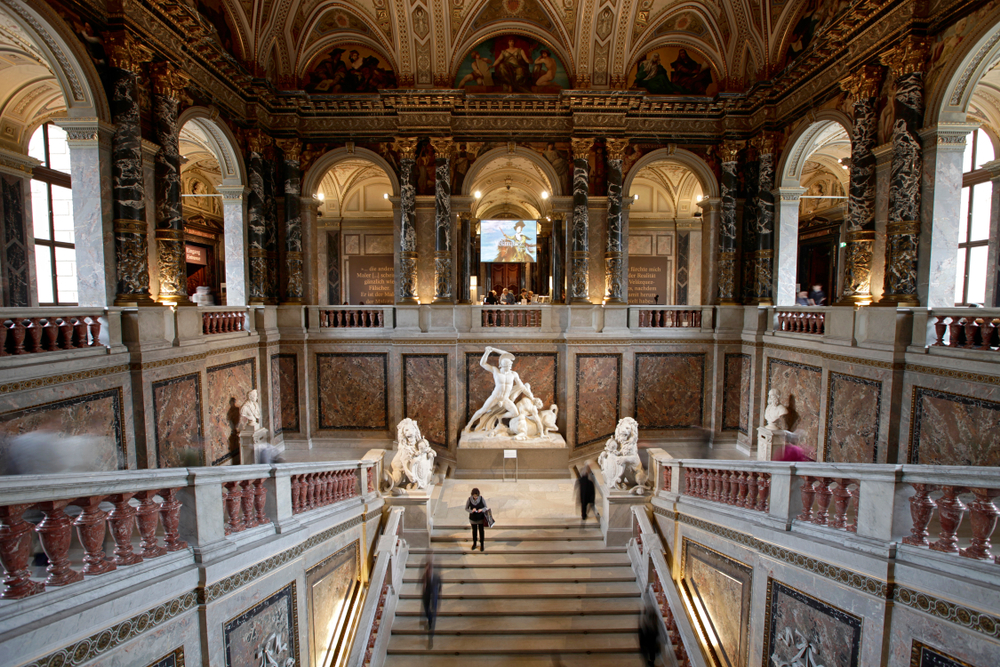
column 685, row 630
column 379, row 608
column 644, row 539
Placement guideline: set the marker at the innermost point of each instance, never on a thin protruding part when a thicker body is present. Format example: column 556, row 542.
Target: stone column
column 558, row 261
column 906, row 63
column 993, row 266
column 709, row 256
column 256, row 141
column 126, row 55
column 883, row 166
column 271, row 281
column 442, row 220
column 407, row 220
column 465, row 260
column 234, row 216
column 294, row 285
column 168, row 87
column 787, row 246
column 614, row 290
column 749, row 240
column 863, row 87
column 763, row 257
column 727, row 225
column 579, row 242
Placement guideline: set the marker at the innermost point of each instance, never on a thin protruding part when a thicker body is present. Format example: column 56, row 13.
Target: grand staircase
column 545, row 592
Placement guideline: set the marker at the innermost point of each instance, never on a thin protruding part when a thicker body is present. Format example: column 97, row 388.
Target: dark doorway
column 818, row 261
column 506, row 275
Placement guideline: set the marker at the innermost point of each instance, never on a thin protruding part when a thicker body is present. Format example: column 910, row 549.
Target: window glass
column 66, row 274
column 982, row 199
column 43, row 269
column 40, row 209
column 970, row 148
column 36, row 147
column 963, row 220
column 62, row 214
column 58, row 149
column 977, row 274
column 52, row 218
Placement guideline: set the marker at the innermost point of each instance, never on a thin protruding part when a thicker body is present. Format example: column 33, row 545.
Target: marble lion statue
column 413, row 464
column 620, row 463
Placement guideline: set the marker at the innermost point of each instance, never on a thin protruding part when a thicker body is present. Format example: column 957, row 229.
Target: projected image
column 508, row 240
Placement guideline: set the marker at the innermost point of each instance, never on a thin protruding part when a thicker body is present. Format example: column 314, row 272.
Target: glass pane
column 58, row 149
column 963, row 225
column 62, row 213
column 66, row 274
column 43, row 269
column 982, row 200
column 977, row 274
column 36, row 147
column 960, row 277
column 970, row 148
column 40, row 210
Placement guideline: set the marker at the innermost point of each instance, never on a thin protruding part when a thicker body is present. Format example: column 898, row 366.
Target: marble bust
column 250, row 412
column 774, row 410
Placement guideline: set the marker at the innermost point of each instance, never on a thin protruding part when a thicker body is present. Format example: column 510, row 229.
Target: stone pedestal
column 769, row 441
column 251, row 443
column 480, row 456
column 417, row 516
column 616, row 516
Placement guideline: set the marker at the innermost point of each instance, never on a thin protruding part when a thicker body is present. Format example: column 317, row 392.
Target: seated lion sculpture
column 413, row 464
column 620, row 463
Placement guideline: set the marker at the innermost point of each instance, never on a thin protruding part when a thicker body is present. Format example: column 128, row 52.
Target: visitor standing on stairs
column 476, row 507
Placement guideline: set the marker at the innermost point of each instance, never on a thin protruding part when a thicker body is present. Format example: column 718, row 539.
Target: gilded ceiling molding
column 584, row 39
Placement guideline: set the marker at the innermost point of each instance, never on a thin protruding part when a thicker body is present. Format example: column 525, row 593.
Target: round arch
column 70, row 63
column 475, row 171
column 709, row 183
column 804, row 141
column 462, row 50
column 222, row 141
column 949, row 100
column 313, row 177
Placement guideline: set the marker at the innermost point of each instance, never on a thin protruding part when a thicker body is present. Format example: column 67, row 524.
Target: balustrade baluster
column 90, row 529
column 764, row 492
column 34, row 335
column 3, row 337
column 955, row 330
column 950, row 512
column 55, row 533
column 260, row 502
column 145, row 519
column 666, row 478
column 15, row 550
column 50, row 335
column 808, row 494
column 823, row 496
column 170, row 517
column 17, row 333
column 841, row 501
column 750, row 502
column 729, row 487
column 296, row 494
column 983, row 515
column 939, row 330
column 970, row 332
column 65, row 334
column 741, row 497
column 921, row 510
column 122, row 522
column 986, row 329
column 249, row 513
column 233, row 496
column 79, row 332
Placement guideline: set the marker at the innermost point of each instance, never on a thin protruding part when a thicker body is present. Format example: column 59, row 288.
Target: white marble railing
column 348, row 319
column 965, row 328
column 41, row 330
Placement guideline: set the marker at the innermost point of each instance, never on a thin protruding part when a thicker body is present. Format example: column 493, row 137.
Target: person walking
column 476, row 507
column 431, row 596
column 649, row 636
column 585, row 487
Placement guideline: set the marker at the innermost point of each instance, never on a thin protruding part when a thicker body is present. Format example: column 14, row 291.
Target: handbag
column 488, row 518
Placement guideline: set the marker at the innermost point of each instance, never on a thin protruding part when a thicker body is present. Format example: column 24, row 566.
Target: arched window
column 974, row 227
column 52, row 217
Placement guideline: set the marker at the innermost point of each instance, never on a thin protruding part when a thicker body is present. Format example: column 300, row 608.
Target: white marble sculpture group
column 513, row 401
column 412, row 467
column 620, row 463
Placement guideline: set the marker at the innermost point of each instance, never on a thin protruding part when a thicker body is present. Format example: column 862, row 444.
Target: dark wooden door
column 505, row 275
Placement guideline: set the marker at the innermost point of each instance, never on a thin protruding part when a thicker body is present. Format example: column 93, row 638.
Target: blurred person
column 476, row 507
column 431, row 596
column 802, row 299
column 586, row 489
column 491, row 298
column 48, row 450
column 649, row 636
column 507, row 298
column 817, row 296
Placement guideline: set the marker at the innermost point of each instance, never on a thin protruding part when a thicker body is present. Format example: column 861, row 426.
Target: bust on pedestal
column 252, row 437
column 771, row 436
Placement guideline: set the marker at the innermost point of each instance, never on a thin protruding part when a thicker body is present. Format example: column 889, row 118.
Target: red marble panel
column 955, row 430
column 736, row 393
column 669, row 389
column 285, row 392
column 177, row 419
column 853, row 414
column 93, row 421
column 352, row 391
column 539, row 369
column 832, row 636
column 228, row 386
column 425, row 394
column 799, row 387
column 598, row 396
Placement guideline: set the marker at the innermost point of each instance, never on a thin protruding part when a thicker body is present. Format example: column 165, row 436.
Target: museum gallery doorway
column 505, row 275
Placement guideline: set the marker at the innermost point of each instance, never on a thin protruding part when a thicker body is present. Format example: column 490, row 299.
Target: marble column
column 168, row 87
column 256, row 226
column 749, row 240
column 786, row 251
column 407, row 220
column 234, row 217
column 728, row 263
column 442, row 220
column 579, row 292
column 465, row 260
column 863, row 87
column 993, row 265
column 125, row 56
column 711, row 209
column 271, row 282
column 906, row 63
column 614, row 279
column 558, row 261
column 763, row 258
column 883, row 167
column 294, row 283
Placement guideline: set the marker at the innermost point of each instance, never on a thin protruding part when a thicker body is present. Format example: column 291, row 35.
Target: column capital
column 256, row 140
column 126, row 51
column 232, row 193
column 863, row 83
column 168, row 80
column 443, row 146
column 948, row 137
column 16, row 164
column 292, row 148
column 581, row 148
column 729, row 150
column 616, row 148
column 709, row 204
column 763, row 143
column 909, row 56
column 788, row 194
column 86, row 131
column 407, row 147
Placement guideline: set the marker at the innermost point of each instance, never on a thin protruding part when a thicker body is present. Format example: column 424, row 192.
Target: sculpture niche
column 413, row 465
column 512, row 412
column 620, row 463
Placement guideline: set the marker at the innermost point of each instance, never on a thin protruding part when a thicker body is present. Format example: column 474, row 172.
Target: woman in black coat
column 585, row 485
column 476, row 507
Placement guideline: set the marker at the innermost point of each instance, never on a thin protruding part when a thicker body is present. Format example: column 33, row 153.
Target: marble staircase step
column 519, row 559
column 535, row 575
column 630, row 606
column 515, row 624
column 515, row 590
column 517, row 546
column 498, row 534
column 508, row 644
column 554, row 659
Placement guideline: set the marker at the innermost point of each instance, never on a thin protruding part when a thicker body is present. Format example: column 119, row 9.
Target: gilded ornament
column 729, row 150
column 763, row 143
column 168, row 81
column 443, row 146
column 125, row 51
column 581, row 148
column 907, row 57
column 292, row 148
column 616, row 148
column 407, row 148
column 256, row 141
column 864, row 83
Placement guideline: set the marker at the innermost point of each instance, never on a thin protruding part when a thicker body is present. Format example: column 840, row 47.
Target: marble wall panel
column 854, row 411
column 285, row 392
column 922, row 655
column 953, row 429
column 425, row 395
column 539, row 369
column 270, row 626
column 173, row 659
column 598, row 397
column 723, row 588
column 331, row 584
column 177, row 418
column 830, row 636
column 352, row 390
column 736, row 393
column 228, row 386
column 799, row 387
column 669, row 389
column 90, row 425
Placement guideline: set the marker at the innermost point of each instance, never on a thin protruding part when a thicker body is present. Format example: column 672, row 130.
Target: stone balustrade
column 38, row 330
column 749, row 489
column 507, row 316
column 351, row 318
column 817, row 494
column 803, row 321
column 675, row 621
column 198, row 508
column 218, row 322
column 966, row 328
column 670, row 318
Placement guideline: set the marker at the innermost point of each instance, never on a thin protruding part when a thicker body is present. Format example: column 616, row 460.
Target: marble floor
column 535, row 501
